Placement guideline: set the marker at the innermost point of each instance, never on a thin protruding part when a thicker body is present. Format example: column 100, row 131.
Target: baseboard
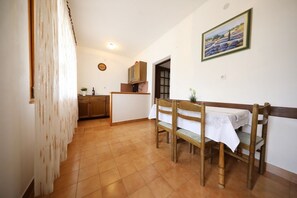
column 29, row 193
column 128, row 121
column 287, row 175
column 292, row 177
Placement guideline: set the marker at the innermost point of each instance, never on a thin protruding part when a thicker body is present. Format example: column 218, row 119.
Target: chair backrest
column 163, row 106
column 259, row 110
column 199, row 110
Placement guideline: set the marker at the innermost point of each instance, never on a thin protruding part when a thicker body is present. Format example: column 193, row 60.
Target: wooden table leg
column 221, row 167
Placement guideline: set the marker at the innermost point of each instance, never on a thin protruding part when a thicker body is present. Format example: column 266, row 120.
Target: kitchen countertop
column 91, row 95
column 129, row 93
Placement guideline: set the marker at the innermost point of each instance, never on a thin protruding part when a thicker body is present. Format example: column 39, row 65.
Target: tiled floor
column 122, row 161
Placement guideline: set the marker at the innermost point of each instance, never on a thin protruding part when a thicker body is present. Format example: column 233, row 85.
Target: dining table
column 220, row 126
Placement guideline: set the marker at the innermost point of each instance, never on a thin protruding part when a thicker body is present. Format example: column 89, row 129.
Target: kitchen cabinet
column 83, row 107
column 137, row 72
column 93, row 106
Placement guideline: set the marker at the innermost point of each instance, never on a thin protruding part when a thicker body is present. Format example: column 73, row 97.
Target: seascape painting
column 231, row 36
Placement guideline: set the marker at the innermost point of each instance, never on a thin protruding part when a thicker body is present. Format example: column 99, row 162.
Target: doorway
column 162, row 80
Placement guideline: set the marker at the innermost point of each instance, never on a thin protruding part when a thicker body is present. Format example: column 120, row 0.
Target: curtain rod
column 69, row 12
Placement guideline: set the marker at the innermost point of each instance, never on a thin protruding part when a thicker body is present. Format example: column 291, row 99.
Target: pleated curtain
column 55, row 91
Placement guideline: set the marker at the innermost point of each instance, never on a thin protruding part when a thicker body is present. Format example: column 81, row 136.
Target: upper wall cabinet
column 137, row 73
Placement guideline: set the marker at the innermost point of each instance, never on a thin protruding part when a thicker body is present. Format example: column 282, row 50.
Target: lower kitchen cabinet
column 83, row 107
column 93, row 106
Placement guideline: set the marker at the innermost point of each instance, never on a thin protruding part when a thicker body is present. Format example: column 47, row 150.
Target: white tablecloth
column 220, row 123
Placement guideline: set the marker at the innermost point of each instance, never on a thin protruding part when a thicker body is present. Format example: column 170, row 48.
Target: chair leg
column 190, row 148
column 250, row 170
column 157, row 138
column 174, row 146
column 167, row 137
column 239, row 152
column 262, row 164
column 202, row 166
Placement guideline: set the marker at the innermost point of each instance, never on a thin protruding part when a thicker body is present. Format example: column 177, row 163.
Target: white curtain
column 55, row 91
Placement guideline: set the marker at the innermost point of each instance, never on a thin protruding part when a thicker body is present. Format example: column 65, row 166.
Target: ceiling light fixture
column 111, row 46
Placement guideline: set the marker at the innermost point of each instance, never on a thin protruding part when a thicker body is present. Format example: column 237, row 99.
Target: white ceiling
column 131, row 24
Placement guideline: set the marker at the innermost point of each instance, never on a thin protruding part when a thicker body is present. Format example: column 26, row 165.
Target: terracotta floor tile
column 103, row 149
column 96, row 194
column 69, row 167
column 143, row 192
column 191, row 189
column 141, row 162
column 115, row 142
column 163, row 165
column 68, row 192
column 66, row 180
column 87, row 172
column 107, row 155
column 106, row 165
column 127, row 149
column 117, row 152
column 174, row 178
column 160, row 188
column 176, row 194
column 133, row 182
column 88, row 186
column 89, row 129
column 88, row 145
column 126, row 142
column 102, row 143
column 134, row 154
column 76, row 155
column 270, row 188
column 109, row 176
column 153, row 157
column 126, row 169
column 188, row 174
column 149, row 173
column 85, row 162
column 123, row 159
column 89, row 153
column 114, row 190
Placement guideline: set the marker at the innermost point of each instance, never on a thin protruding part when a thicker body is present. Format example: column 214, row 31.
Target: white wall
column 106, row 81
column 17, row 115
column 265, row 72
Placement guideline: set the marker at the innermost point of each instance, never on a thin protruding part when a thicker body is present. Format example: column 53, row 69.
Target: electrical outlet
column 223, row 77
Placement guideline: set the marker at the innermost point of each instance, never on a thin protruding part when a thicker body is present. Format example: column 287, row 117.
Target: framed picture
column 228, row 37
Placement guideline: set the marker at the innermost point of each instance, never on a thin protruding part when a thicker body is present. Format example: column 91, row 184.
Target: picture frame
column 231, row 36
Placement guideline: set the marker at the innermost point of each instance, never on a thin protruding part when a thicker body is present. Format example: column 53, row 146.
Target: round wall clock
column 101, row 66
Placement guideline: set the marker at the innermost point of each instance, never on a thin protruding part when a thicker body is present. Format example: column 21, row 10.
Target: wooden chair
column 195, row 139
column 252, row 143
column 163, row 107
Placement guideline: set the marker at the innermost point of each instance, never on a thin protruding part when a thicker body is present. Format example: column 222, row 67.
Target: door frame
column 162, row 61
